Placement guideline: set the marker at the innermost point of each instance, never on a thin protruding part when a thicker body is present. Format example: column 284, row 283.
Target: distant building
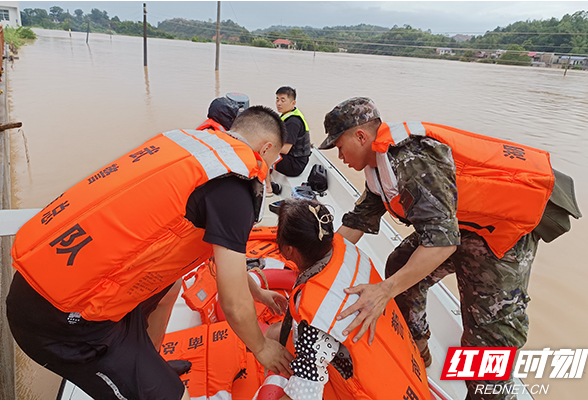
column 481, row 54
column 547, row 58
column 572, row 60
column 497, row 53
column 10, row 13
column 537, row 59
column 461, row 38
column 282, row 43
column 541, row 59
column 444, row 50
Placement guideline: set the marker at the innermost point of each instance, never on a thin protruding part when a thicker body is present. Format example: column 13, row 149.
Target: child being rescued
column 328, row 364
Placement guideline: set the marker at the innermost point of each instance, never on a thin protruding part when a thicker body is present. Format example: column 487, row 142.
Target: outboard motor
column 240, row 98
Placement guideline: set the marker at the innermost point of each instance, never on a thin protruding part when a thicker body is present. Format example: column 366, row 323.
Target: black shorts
column 106, row 359
column 291, row 166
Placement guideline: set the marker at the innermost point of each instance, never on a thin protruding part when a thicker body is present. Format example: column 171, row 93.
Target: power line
column 317, row 31
column 181, row 21
column 337, row 40
column 538, row 33
column 319, row 36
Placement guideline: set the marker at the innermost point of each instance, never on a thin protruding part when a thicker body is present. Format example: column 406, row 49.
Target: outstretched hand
column 275, row 357
column 372, row 302
column 273, row 300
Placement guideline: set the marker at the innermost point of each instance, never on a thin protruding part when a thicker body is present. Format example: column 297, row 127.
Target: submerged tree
column 516, row 55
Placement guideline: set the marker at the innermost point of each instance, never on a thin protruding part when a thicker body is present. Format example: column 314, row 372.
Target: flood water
column 84, row 105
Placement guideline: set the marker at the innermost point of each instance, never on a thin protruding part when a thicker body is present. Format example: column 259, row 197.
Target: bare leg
column 268, row 183
column 160, row 316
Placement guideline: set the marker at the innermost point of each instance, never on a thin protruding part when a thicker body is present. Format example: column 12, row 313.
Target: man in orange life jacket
column 94, row 265
column 487, row 240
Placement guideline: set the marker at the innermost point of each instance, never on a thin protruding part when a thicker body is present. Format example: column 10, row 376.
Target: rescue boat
column 199, row 320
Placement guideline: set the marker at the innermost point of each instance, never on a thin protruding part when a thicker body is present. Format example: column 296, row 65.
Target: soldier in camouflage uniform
column 493, row 291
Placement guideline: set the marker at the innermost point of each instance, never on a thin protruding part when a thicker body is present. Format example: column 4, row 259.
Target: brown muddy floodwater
column 84, row 105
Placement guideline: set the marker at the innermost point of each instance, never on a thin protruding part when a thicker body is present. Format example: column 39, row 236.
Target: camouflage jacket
column 425, row 171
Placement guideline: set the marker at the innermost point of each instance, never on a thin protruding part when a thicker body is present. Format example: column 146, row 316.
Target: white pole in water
column 144, row 34
column 217, row 35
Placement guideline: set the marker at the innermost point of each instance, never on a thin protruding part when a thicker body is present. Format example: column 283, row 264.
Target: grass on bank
column 16, row 36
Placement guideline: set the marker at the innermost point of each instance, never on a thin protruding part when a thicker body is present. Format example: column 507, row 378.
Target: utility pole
column 144, row 34
column 567, row 65
column 88, row 33
column 217, row 36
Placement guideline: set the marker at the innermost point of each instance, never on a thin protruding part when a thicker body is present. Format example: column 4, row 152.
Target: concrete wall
column 13, row 11
column 7, row 376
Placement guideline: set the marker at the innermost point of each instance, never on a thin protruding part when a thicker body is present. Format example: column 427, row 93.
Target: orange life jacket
column 221, row 367
column 391, row 368
column 211, row 124
column 503, row 187
column 262, row 244
column 120, row 235
column 264, row 233
column 201, row 295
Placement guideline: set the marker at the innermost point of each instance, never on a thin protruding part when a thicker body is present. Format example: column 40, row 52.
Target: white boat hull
column 443, row 308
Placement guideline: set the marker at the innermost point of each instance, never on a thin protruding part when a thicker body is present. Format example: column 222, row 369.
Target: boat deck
column 443, row 309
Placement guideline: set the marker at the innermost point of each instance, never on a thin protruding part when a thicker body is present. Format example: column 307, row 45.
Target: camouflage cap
column 352, row 112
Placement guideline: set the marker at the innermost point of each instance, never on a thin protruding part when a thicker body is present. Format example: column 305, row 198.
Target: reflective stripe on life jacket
column 272, row 388
column 211, row 124
column 302, row 146
column 119, row 236
column 322, row 298
column 503, row 187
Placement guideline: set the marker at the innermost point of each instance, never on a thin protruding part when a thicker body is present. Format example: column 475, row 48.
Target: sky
column 444, row 17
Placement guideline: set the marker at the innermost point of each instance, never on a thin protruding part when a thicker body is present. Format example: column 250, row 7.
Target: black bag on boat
column 317, row 179
column 303, row 192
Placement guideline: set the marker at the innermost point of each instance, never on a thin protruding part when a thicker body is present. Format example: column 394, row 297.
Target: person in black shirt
column 119, row 359
column 296, row 150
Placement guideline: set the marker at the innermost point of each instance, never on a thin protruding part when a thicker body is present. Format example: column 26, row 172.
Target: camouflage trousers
column 493, row 295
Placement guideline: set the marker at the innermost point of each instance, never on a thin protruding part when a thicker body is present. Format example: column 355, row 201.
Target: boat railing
column 12, row 220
